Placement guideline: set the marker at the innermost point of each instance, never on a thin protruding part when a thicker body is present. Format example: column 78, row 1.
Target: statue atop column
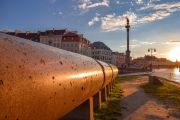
column 128, row 59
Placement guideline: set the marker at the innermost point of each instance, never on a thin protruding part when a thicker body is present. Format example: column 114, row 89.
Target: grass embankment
column 111, row 108
column 126, row 78
column 165, row 92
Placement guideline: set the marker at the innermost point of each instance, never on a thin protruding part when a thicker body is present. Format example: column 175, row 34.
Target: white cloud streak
column 57, row 13
column 60, row 13
column 135, row 44
column 87, row 4
column 117, row 2
column 173, row 42
column 171, row 7
column 176, row 41
column 143, row 43
column 139, row 1
column 95, row 19
column 147, row 43
column 112, row 22
column 154, row 16
column 131, row 46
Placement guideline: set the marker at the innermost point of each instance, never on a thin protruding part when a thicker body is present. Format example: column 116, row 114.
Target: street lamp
column 151, row 50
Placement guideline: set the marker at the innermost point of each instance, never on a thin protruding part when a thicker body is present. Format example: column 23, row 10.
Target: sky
column 154, row 23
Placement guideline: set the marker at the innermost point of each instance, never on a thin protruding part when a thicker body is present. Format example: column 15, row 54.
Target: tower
column 127, row 51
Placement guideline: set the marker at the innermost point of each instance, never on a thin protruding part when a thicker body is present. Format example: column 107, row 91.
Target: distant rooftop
column 100, row 45
column 54, row 32
column 117, row 53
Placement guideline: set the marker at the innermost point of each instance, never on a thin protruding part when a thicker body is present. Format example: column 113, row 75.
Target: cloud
column 139, row 1
column 131, row 46
column 154, row 16
column 143, row 43
column 147, row 43
column 57, row 13
column 117, row 2
column 170, row 7
column 60, row 13
column 6, row 30
column 173, row 42
column 87, row 4
column 136, row 43
column 95, row 19
column 134, row 40
column 162, row 54
column 142, row 2
column 112, row 22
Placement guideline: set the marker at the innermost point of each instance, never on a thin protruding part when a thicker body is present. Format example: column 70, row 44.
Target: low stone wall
column 159, row 81
column 154, row 80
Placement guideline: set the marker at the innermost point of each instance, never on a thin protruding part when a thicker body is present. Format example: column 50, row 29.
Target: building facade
column 147, row 60
column 74, row 42
column 67, row 40
column 101, row 52
column 118, row 58
column 26, row 35
column 52, row 37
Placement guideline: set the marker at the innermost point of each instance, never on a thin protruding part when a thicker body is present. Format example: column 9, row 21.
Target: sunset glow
column 174, row 54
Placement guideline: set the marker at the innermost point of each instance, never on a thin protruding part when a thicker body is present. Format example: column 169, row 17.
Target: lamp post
column 151, row 50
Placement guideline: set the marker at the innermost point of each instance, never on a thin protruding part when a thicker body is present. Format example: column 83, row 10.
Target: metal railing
column 40, row 82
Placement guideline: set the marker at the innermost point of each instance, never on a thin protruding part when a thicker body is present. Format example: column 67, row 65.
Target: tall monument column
column 127, row 51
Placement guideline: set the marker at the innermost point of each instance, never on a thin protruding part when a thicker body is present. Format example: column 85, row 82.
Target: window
column 58, row 44
column 54, row 44
column 50, row 42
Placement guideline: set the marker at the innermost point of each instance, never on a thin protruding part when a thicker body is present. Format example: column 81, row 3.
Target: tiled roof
column 100, row 45
column 76, row 37
column 54, row 32
column 27, row 35
column 117, row 53
column 71, row 34
column 10, row 33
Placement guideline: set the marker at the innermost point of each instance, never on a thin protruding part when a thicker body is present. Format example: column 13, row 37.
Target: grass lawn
column 165, row 92
column 111, row 108
column 126, row 78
